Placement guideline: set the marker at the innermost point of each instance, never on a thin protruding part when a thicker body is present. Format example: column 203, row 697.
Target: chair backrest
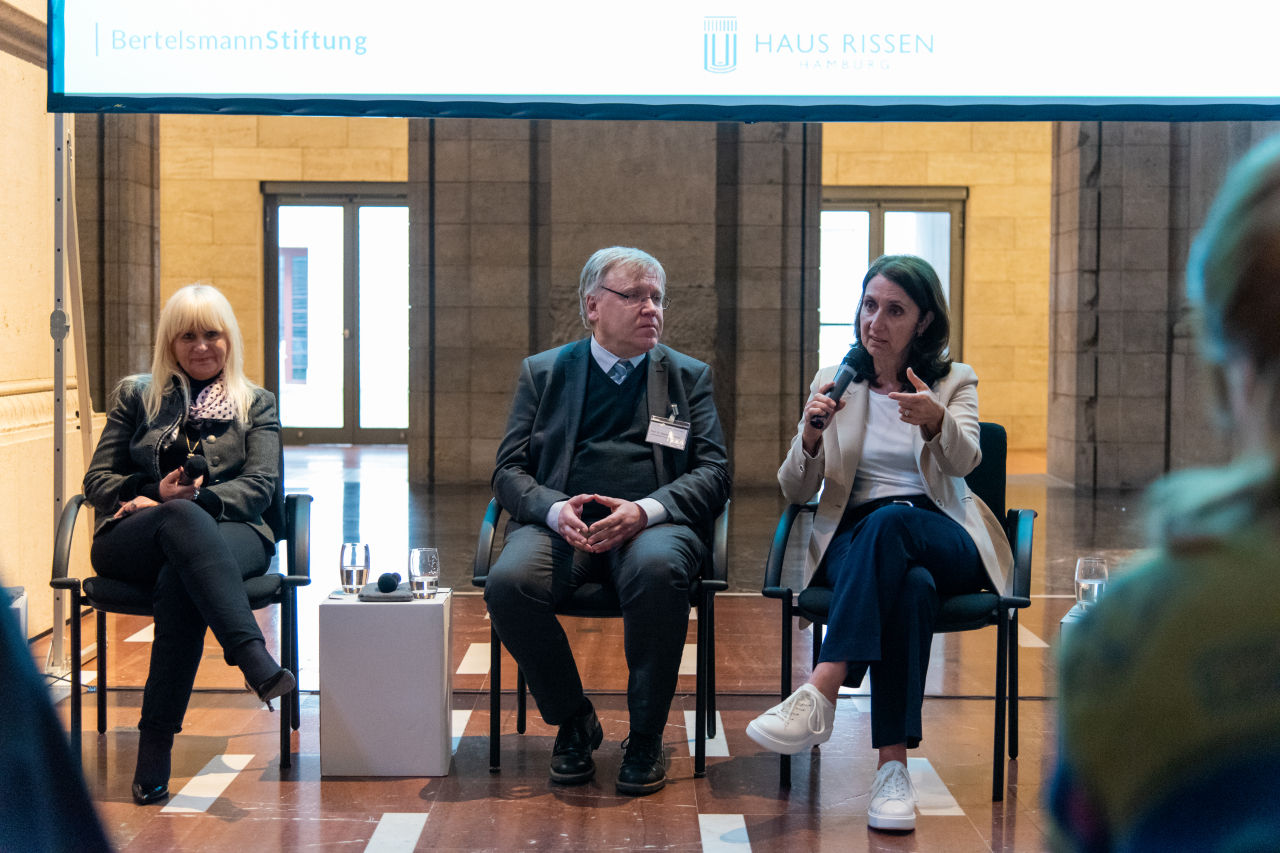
column 988, row 479
column 275, row 515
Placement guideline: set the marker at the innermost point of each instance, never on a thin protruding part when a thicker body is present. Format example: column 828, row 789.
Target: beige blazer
column 943, row 463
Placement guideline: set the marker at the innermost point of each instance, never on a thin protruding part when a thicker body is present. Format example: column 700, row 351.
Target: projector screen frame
column 833, row 105
column 748, row 111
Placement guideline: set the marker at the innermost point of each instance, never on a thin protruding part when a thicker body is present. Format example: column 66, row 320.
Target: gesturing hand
column 919, row 407
column 624, row 521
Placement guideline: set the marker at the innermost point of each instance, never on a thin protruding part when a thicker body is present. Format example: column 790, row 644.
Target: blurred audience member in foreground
column 1170, row 687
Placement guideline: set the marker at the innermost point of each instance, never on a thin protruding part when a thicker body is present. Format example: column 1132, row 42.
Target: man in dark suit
column 599, row 489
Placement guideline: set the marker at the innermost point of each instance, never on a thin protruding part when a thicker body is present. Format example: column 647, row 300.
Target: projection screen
column 749, row 61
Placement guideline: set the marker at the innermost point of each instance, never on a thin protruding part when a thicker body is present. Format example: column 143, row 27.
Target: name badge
column 668, row 433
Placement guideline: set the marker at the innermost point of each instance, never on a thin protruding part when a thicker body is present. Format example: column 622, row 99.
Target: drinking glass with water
column 354, row 566
column 1091, row 580
column 424, row 572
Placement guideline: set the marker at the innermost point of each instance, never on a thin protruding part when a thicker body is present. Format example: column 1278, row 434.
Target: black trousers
column 886, row 571
column 537, row 570
column 198, row 566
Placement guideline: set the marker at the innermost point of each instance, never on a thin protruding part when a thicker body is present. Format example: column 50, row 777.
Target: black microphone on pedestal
column 195, row 466
column 844, row 375
column 388, row 581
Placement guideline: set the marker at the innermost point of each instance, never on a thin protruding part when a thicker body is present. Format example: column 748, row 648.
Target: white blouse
column 888, row 463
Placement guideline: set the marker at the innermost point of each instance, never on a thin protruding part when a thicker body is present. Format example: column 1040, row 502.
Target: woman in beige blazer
column 896, row 524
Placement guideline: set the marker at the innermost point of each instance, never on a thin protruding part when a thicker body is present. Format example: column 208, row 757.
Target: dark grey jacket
column 537, row 452
column 244, row 462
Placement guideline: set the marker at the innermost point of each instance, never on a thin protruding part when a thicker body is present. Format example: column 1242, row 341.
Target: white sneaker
column 893, row 799
column 801, row 721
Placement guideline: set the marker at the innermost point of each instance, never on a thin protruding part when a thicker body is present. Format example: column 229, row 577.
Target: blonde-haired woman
column 196, row 542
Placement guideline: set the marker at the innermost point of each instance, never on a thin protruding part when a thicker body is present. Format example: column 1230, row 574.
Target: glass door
column 338, row 286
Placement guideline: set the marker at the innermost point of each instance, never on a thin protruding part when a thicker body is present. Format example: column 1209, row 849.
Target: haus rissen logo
column 720, row 45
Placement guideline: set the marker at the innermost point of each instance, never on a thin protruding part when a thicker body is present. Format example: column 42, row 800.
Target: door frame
column 350, row 196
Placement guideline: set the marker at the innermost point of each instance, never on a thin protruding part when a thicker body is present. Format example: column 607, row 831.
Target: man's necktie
column 620, row 371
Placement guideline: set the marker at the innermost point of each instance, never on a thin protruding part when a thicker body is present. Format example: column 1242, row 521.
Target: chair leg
column 784, row 761
column 1002, row 660
column 495, row 700
column 295, row 662
column 286, row 746
column 101, row 625
column 700, row 694
column 75, row 674
column 1013, row 685
column 711, row 665
column 522, row 690
column 817, row 647
column 288, row 703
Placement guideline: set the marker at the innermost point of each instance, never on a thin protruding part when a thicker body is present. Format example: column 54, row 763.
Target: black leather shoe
column 644, row 766
column 274, row 687
column 571, row 762
column 145, row 796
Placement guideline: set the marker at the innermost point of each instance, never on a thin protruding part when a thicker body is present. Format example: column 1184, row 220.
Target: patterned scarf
column 212, row 404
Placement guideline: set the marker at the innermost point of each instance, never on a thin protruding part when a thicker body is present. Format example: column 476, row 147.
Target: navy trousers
column 537, row 571
column 887, row 571
column 198, row 566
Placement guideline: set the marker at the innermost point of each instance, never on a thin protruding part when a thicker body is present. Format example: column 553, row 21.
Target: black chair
column 958, row 613
column 596, row 600
column 289, row 516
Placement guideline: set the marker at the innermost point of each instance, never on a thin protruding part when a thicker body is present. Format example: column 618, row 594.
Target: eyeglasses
column 634, row 300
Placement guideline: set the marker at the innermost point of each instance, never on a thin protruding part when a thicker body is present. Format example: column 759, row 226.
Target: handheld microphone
column 195, row 466
column 388, row 581
column 844, row 375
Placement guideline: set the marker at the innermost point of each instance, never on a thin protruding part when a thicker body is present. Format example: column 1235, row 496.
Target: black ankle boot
column 277, row 685
column 151, row 777
column 256, row 663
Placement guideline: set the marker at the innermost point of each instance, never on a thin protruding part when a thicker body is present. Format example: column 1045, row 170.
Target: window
column 337, row 258
column 860, row 224
column 293, row 317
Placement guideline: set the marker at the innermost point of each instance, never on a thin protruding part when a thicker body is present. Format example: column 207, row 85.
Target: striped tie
column 620, row 371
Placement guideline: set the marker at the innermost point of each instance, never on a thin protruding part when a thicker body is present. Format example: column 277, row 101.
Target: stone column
column 1127, row 400
column 775, row 303
column 1203, row 153
column 471, row 194
column 118, row 215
